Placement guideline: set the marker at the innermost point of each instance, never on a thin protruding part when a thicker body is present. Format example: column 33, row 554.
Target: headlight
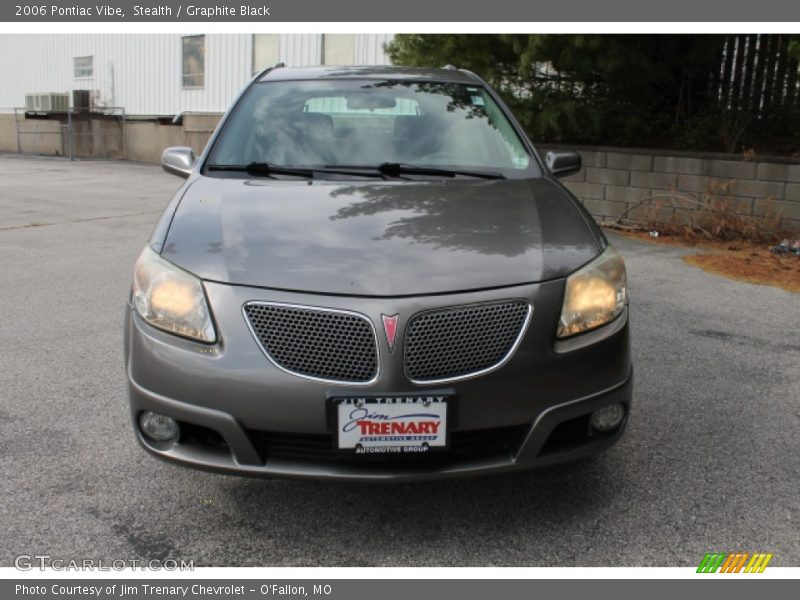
column 170, row 298
column 595, row 294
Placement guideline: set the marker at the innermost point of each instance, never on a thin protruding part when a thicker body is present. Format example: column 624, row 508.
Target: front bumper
column 239, row 413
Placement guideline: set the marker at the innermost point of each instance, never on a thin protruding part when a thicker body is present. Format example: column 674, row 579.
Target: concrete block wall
column 613, row 180
column 38, row 137
column 144, row 139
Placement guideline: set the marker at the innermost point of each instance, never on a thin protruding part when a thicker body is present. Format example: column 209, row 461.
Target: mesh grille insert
column 324, row 344
column 462, row 340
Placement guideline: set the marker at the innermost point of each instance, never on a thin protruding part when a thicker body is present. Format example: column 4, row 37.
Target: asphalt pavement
column 710, row 462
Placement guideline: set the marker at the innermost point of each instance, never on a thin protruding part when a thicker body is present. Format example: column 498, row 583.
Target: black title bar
column 741, row 11
column 733, row 587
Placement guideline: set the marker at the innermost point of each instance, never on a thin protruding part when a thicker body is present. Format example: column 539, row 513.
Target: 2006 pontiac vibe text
column 371, row 274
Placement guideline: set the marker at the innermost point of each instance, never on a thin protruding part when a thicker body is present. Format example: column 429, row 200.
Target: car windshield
column 366, row 123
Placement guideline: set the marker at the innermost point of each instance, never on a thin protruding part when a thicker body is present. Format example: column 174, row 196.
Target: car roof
column 448, row 74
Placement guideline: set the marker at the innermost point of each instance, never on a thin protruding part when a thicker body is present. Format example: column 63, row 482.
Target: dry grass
column 740, row 260
column 717, row 214
column 760, row 267
column 734, row 242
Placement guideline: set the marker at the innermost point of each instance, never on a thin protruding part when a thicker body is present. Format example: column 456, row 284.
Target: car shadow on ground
column 455, row 510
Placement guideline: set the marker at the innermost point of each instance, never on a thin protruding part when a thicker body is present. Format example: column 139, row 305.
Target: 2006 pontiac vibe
column 370, row 274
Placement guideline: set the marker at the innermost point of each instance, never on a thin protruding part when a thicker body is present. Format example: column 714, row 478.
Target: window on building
column 83, row 66
column 338, row 49
column 266, row 50
column 193, row 61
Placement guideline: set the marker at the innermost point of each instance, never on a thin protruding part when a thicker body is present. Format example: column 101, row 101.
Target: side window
column 193, row 61
column 83, row 66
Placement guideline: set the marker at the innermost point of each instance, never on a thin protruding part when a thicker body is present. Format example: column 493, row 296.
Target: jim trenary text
column 121, row 590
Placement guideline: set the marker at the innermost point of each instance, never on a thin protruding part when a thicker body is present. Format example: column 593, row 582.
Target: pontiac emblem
column 390, row 329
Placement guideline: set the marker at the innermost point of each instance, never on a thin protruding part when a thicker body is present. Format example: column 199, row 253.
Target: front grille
column 312, row 342
column 464, row 445
column 460, row 341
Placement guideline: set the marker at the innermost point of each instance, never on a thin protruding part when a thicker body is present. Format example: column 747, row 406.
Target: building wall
column 142, row 72
column 369, row 48
column 37, row 137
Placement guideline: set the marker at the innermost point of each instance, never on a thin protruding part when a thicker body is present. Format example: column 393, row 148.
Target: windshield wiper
column 384, row 170
column 354, row 170
column 397, row 169
column 264, row 169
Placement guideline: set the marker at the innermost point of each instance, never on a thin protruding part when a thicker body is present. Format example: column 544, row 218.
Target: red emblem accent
column 390, row 328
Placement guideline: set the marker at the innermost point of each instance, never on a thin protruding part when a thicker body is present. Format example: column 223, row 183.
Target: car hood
column 390, row 238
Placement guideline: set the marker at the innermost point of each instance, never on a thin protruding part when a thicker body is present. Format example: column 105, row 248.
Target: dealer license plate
column 392, row 424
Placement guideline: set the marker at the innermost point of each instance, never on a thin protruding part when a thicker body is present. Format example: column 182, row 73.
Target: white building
column 164, row 74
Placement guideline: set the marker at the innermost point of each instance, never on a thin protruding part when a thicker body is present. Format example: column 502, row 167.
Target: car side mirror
column 178, row 160
column 562, row 164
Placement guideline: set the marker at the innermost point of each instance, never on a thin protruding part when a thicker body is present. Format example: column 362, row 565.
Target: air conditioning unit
column 52, row 102
column 81, row 99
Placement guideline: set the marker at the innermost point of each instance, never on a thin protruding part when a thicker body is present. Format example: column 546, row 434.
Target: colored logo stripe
column 734, row 562
column 758, row 563
column 711, row 562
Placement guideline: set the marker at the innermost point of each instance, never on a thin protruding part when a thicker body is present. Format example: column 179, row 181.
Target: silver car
column 370, row 274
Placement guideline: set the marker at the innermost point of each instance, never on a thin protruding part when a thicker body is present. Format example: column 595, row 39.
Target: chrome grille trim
column 472, row 374
column 303, row 307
